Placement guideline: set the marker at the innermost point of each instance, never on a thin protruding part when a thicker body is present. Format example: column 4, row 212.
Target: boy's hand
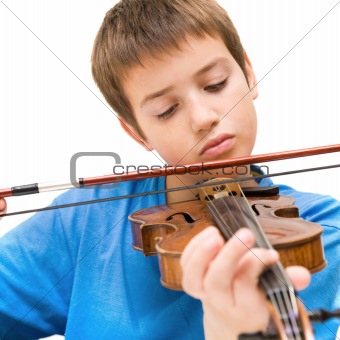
column 3, row 206
column 225, row 276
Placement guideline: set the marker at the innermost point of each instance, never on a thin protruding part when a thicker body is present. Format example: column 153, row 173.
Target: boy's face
column 194, row 105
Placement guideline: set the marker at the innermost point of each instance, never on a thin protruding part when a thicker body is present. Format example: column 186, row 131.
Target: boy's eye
column 216, row 87
column 169, row 112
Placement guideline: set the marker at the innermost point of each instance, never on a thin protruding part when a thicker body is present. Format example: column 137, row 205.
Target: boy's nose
column 203, row 118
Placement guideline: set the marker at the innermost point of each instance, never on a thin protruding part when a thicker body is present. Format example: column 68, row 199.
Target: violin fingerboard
column 232, row 213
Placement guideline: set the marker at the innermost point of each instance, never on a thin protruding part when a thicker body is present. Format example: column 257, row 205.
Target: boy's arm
column 34, row 289
column 224, row 276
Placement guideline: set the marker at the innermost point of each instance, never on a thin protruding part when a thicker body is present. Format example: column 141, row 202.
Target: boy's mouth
column 217, row 146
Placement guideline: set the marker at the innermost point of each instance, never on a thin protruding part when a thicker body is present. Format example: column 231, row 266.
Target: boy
column 174, row 71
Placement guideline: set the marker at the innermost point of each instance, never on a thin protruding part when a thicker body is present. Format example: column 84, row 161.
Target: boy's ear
column 131, row 131
column 251, row 76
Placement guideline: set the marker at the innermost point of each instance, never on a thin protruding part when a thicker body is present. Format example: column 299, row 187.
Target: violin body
column 165, row 230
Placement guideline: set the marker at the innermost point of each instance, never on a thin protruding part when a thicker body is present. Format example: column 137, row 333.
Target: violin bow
column 35, row 188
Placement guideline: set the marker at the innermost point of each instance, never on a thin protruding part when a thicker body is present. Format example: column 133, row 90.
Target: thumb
column 300, row 276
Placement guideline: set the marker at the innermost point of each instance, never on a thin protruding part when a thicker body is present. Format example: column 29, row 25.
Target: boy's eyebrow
column 212, row 64
column 199, row 73
column 154, row 95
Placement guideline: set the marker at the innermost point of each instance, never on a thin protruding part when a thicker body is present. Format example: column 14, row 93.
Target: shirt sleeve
column 36, row 273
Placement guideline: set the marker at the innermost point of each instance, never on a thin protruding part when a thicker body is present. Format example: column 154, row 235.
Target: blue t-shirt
column 73, row 271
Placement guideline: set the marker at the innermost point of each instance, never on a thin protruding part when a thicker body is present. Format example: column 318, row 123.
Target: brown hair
column 133, row 29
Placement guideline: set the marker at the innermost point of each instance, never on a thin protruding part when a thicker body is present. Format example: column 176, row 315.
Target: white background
column 50, row 107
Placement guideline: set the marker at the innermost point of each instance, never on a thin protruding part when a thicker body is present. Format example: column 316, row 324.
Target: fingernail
column 274, row 255
column 208, row 231
column 211, row 242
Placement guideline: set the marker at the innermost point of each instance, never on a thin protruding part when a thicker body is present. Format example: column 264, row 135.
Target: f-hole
column 254, row 208
column 186, row 216
column 286, row 212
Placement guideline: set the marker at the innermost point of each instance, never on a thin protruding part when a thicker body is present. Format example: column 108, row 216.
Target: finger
column 196, row 258
column 255, row 262
column 2, row 205
column 300, row 276
column 225, row 264
column 206, row 237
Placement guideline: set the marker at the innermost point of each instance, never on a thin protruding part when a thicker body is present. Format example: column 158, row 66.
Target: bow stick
column 166, row 171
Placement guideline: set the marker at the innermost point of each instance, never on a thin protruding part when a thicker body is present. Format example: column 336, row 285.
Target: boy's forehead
column 152, row 58
column 186, row 49
column 158, row 74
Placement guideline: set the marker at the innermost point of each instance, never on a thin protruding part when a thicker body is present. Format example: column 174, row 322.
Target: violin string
column 278, row 297
column 285, row 309
column 276, row 303
column 280, row 290
column 273, row 295
column 227, row 228
column 280, row 301
column 285, row 297
column 290, row 326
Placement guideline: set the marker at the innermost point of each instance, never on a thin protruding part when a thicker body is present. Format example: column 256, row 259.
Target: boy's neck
column 179, row 196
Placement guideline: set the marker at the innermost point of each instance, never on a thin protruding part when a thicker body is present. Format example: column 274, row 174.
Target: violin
column 165, row 230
